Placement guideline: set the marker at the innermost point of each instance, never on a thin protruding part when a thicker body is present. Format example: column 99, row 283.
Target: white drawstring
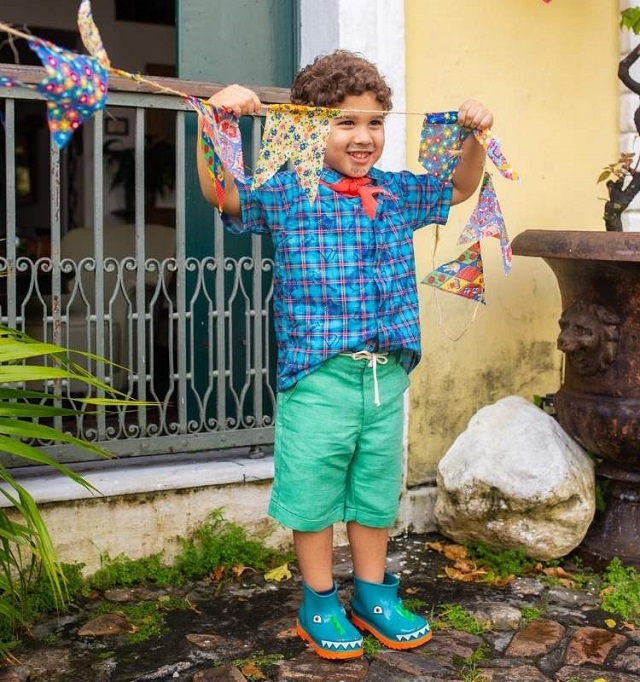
column 374, row 359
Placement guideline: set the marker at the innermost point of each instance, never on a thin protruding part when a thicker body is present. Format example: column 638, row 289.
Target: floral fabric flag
column 221, row 145
column 213, row 161
column 90, row 35
column 487, row 221
column 494, row 151
column 463, row 276
column 224, row 132
column 207, row 144
column 75, row 88
column 440, row 141
column 229, row 143
column 298, row 134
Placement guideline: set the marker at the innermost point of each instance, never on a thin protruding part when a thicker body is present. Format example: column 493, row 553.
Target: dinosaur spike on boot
column 322, row 621
column 377, row 608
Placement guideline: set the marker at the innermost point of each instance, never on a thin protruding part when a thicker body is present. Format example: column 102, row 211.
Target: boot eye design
column 377, row 609
column 317, row 619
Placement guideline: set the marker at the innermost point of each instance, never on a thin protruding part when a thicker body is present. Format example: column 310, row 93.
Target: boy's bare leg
column 368, row 551
column 315, row 558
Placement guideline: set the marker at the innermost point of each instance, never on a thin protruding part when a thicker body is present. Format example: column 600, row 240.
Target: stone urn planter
column 598, row 403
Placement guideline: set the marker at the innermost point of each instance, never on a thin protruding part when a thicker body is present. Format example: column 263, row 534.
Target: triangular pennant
column 494, row 151
column 440, row 143
column 228, row 143
column 224, row 132
column 462, row 276
column 75, row 88
column 487, row 221
column 90, row 35
column 221, row 145
column 298, row 134
column 8, row 82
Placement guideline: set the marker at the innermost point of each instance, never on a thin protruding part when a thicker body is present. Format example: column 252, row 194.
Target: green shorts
column 338, row 456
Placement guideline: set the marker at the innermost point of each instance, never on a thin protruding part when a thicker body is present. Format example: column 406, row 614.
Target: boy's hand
column 473, row 114
column 238, row 99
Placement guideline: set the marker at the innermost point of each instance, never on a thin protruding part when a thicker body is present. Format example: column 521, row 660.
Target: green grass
column 371, row 646
column 621, row 591
column 501, row 563
column 469, row 671
column 252, row 666
column 414, row 605
column 530, row 613
column 454, row 617
column 217, row 547
column 147, row 617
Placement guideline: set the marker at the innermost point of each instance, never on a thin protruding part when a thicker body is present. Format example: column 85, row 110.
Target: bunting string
column 76, row 87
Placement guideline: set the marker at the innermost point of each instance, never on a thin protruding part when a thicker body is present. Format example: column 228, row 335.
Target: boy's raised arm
column 468, row 173
column 241, row 101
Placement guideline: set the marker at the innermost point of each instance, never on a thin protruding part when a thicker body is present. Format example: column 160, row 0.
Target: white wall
column 375, row 28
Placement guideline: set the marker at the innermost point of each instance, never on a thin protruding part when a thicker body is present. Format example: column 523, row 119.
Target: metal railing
column 182, row 309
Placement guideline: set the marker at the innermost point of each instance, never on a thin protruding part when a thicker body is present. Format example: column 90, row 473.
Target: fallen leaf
column 452, row 552
column 218, row 574
column 278, row 574
column 610, row 623
column 466, row 565
column 239, row 570
column 558, row 572
column 464, row 576
column 628, row 626
column 251, row 670
column 569, row 584
column 503, row 582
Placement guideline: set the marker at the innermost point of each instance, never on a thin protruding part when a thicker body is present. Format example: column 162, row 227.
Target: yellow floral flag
column 297, row 134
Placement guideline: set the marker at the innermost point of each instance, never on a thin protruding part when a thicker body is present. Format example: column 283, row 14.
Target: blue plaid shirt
column 342, row 281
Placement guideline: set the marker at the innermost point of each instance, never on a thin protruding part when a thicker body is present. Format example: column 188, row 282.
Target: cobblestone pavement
column 245, row 632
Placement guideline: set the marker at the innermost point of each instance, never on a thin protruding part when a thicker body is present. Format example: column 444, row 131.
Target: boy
column 347, row 327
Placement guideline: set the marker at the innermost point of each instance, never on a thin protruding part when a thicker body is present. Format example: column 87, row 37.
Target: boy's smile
column 356, row 137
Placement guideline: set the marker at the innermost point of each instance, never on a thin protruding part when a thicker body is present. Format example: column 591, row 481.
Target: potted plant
column 598, row 274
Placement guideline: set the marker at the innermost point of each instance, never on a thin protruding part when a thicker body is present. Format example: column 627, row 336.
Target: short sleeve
column 253, row 215
column 427, row 199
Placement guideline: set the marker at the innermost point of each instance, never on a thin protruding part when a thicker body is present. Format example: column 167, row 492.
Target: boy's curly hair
column 329, row 79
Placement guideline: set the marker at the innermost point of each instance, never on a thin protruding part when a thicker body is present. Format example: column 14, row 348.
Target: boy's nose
column 362, row 135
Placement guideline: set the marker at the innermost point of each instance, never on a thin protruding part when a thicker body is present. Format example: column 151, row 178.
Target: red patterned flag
column 462, row 276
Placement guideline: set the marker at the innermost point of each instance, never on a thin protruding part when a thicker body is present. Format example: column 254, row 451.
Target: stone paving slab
column 231, row 625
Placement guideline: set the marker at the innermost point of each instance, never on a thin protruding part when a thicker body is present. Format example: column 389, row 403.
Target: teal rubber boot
column 377, row 608
column 322, row 621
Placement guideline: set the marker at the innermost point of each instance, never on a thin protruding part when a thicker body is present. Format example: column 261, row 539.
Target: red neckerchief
column 359, row 187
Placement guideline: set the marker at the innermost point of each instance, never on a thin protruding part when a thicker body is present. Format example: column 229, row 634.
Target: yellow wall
column 548, row 72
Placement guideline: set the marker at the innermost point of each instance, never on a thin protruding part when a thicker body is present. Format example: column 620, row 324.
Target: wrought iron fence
column 180, row 308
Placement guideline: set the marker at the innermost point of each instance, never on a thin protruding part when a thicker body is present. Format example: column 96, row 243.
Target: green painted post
column 251, row 42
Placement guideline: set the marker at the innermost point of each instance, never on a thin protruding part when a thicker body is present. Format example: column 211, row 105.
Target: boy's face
column 356, row 137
